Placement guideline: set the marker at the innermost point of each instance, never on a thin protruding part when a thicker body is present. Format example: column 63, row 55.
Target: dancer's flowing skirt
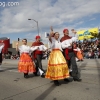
column 79, row 55
column 57, row 66
column 26, row 64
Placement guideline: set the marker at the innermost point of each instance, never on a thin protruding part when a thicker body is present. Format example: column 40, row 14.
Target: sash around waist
column 55, row 49
column 24, row 53
column 69, row 49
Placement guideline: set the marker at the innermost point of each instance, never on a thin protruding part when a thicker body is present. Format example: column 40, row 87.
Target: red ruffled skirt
column 26, row 64
column 79, row 55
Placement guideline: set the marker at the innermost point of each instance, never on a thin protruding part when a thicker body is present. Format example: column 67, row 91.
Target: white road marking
column 13, row 71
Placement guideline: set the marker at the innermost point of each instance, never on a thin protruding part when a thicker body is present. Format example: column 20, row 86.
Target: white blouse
column 67, row 43
column 26, row 49
column 1, row 47
column 42, row 48
column 56, row 44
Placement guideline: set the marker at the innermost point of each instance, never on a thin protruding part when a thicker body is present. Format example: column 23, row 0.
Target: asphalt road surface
column 13, row 86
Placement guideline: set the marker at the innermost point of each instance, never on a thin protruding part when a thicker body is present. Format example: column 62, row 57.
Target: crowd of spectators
column 90, row 49
column 9, row 56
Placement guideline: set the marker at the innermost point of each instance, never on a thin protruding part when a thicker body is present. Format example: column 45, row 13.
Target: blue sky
column 77, row 14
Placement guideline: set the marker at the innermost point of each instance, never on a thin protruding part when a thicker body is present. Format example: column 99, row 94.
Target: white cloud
column 15, row 19
column 92, row 19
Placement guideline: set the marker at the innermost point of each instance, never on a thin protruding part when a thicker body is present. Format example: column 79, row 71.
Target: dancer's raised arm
column 51, row 34
column 17, row 46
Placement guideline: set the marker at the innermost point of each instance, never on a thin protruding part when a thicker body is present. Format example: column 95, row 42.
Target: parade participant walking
column 38, row 54
column 57, row 65
column 1, row 58
column 25, row 64
column 69, row 55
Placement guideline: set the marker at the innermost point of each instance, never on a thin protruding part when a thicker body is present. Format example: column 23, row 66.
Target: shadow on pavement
column 98, row 68
column 46, row 93
column 54, row 99
column 82, row 65
column 3, row 70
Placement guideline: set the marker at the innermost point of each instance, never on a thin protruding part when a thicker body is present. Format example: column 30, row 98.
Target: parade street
column 13, row 86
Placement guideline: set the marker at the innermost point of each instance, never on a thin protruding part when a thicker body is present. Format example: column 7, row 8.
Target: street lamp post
column 37, row 25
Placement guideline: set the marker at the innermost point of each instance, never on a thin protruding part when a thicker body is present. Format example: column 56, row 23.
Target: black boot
column 43, row 75
column 26, row 75
column 35, row 73
column 66, row 80
column 56, row 82
column 77, row 79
